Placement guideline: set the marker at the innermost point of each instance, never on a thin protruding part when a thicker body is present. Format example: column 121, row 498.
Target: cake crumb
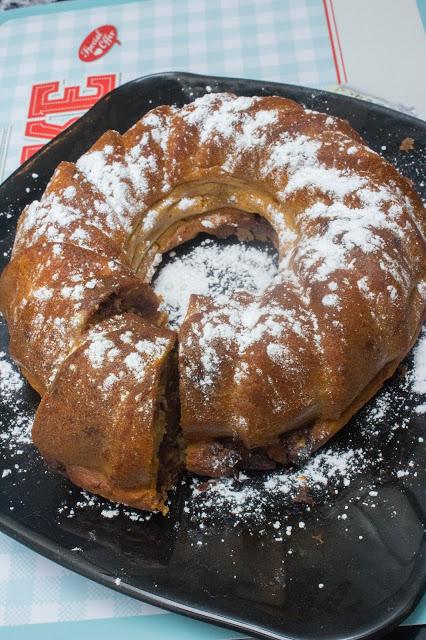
column 407, row 144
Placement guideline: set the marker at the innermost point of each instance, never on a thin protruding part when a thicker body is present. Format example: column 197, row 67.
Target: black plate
column 364, row 541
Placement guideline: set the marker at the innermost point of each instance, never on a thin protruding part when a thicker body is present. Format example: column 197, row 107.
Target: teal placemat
column 282, row 40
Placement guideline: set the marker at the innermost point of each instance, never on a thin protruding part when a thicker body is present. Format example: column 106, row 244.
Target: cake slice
column 110, row 420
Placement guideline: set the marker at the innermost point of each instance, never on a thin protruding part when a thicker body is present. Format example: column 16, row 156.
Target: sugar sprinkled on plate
column 15, row 418
column 419, row 372
column 211, row 269
column 10, row 379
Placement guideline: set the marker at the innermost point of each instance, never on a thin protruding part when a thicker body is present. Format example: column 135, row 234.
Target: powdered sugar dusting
column 292, row 153
column 10, row 379
column 98, row 348
column 210, row 269
column 331, row 248
column 111, row 177
column 43, row 293
column 240, row 325
column 419, row 372
column 327, row 180
column 147, row 352
column 15, row 418
column 112, row 343
column 59, row 221
column 218, row 114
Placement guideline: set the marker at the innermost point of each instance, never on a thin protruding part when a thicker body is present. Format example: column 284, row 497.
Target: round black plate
column 363, row 542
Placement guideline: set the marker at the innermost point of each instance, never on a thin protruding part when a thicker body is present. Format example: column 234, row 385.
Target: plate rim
column 74, row 562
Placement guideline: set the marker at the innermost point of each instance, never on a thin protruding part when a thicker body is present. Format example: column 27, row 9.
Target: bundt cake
column 257, row 381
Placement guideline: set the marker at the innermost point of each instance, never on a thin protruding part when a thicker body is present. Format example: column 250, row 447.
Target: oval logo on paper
column 98, row 43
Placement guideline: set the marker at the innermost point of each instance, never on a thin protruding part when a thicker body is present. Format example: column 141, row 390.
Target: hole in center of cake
column 213, row 267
